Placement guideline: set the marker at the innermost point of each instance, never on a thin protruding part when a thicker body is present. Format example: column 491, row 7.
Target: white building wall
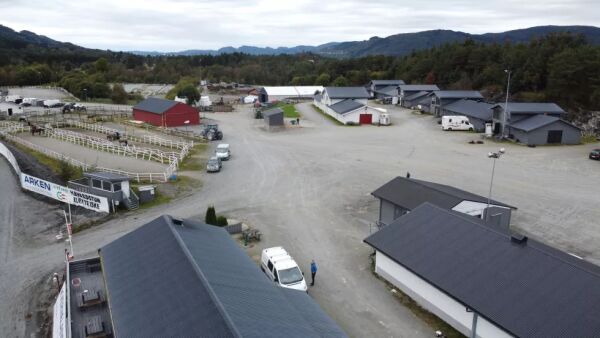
column 435, row 301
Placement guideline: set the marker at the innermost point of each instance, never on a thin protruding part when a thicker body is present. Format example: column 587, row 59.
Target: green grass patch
column 289, row 110
column 159, row 199
column 589, row 138
column 327, row 116
column 195, row 160
column 61, row 168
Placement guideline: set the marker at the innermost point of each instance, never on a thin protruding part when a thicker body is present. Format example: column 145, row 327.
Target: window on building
column 106, row 185
column 97, row 184
column 116, row 186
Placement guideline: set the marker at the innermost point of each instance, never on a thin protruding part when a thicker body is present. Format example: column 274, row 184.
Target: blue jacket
column 313, row 267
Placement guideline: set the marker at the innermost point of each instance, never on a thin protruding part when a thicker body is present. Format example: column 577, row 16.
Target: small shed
column 545, row 129
column 165, row 113
column 114, row 187
column 273, row 117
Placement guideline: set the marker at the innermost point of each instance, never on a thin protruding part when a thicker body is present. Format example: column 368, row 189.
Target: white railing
column 152, row 177
column 92, row 142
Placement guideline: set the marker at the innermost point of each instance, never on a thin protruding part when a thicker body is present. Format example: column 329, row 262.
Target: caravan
column 456, row 123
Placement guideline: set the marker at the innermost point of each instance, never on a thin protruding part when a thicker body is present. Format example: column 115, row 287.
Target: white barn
column 280, row 93
column 348, row 105
column 486, row 281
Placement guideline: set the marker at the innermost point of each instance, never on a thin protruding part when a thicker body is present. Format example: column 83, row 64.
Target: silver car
column 213, row 165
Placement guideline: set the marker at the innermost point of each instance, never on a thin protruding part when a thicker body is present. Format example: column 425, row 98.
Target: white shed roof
column 292, row 90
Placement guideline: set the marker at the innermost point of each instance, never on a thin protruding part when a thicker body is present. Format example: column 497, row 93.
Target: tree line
column 562, row 68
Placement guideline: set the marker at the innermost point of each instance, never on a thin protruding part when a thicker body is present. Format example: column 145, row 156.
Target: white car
column 223, row 152
column 281, row 268
column 456, row 123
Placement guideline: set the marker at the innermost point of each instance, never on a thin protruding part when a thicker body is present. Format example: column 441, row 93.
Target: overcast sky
column 176, row 25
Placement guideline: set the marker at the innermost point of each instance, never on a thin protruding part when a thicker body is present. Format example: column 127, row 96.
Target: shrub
column 211, row 216
column 68, row 171
column 222, row 221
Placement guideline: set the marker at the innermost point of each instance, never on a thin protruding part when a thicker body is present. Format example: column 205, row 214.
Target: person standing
column 313, row 271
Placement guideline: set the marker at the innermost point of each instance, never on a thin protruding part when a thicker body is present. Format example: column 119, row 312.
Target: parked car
column 456, row 123
column 213, row 165
column 281, row 268
column 595, row 155
column 223, row 152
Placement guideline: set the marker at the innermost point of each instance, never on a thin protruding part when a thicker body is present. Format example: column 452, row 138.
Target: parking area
column 309, row 191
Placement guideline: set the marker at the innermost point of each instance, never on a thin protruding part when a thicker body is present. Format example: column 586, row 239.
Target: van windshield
column 290, row 276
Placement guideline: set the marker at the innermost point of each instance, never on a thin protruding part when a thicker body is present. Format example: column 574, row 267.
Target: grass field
column 289, row 110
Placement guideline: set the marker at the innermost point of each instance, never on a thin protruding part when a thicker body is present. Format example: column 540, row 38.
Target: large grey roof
column 409, row 193
column 191, row 279
column 155, row 105
column 457, row 94
column 347, row 92
column 532, row 108
column 417, row 95
column 387, row 82
column 528, row 289
column 537, row 121
column 480, row 110
column 106, row 176
column 272, row 111
column 388, row 90
column 419, row 87
column 346, row 106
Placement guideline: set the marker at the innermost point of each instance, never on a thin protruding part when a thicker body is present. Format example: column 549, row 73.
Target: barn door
column 365, row 118
column 555, row 136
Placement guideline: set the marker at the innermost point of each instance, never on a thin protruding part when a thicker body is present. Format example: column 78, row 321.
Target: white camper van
column 456, row 123
column 281, row 268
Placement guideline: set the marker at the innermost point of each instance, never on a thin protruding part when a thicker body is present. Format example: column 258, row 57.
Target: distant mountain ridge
column 401, row 44
column 394, row 45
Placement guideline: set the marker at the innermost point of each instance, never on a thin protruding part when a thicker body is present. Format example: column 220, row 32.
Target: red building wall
column 173, row 117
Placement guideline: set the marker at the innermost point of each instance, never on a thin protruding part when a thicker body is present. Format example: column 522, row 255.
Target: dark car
column 595, row 155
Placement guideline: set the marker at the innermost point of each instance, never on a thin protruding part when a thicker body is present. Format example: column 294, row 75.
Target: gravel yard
column 308, row 189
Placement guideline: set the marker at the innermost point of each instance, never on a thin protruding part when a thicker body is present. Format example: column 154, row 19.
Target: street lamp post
column 186, row 122
column 506, row 118
column 494, row 156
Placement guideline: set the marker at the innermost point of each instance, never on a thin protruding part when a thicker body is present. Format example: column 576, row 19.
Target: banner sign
column 59, row 327
column 64, row 194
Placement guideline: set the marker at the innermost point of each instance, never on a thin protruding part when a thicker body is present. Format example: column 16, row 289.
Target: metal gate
column 555, row 136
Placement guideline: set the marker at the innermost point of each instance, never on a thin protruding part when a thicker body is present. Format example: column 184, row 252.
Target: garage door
column 555, row 136
column 365, row 118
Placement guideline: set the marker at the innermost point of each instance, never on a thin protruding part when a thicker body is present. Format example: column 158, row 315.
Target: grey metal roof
column 419, row 87
column 347, row 92
column 387, row 82
column 409, row 193
column 106, row 176
column 346, row 106
column 457, row 94
column 388, row 90
column 538, row 121
column 155, row 105
column 470, row 108
column 272, row 111
column 528, row 289
column 191, row 279
column 532, row 108
column 318, row 97
column 417, row 95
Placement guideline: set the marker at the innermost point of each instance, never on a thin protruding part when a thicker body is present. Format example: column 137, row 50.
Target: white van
column 222, row 151
column 281, row 268
column 456, row 123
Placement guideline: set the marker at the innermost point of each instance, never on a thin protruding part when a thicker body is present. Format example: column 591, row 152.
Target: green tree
column 340, row 81
column 323, row 80
column 119, row 95
column 211, row 216
column 101, row 65
column 191, row 93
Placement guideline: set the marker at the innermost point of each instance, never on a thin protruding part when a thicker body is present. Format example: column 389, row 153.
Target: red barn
column 165, row 113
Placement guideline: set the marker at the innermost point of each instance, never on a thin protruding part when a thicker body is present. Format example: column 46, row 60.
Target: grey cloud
column 185, row 24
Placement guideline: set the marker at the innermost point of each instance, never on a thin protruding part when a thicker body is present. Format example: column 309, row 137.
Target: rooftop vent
column 177, row 221
column 518, row 238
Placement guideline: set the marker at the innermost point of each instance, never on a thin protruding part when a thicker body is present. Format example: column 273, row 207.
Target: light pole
column 506, row 118
column 493, row 156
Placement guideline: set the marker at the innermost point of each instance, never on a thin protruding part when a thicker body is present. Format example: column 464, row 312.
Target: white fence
column 4, row 151
column 6, row 130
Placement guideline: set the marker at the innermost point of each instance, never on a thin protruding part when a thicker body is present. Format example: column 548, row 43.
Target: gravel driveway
column 308, row 189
